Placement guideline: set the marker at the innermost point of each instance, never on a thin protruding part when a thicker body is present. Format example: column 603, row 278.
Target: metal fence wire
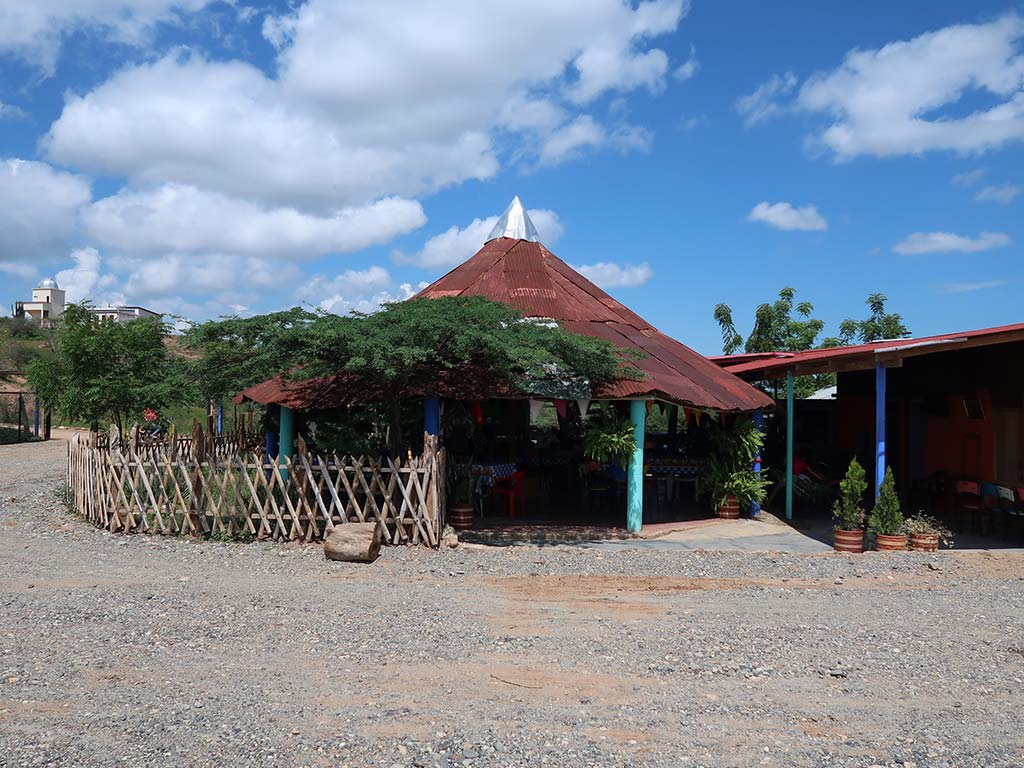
column 20, row 417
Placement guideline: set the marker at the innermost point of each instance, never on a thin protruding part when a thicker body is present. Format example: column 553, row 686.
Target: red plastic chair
column 969, row 505
column 513, row 489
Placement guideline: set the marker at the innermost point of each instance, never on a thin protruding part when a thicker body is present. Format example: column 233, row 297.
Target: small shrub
column 886, row 518
column 926, row 524
column 848, row 511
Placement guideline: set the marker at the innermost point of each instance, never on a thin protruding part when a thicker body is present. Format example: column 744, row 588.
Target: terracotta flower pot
column 460, row 516
column 886, row 543
column 848, row 541
column 729, row 509
column 924, row 542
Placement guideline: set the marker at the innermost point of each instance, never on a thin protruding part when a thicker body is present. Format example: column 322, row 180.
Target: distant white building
column 123, row 314
column 47, row 303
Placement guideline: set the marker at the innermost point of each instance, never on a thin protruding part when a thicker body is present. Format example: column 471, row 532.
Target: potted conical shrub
column 848, row 510
column 886, row 518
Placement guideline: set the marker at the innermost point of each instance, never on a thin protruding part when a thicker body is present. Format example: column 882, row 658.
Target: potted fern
column 886, row 518
column 848, row 512
column 609, row 438
column 729, row 476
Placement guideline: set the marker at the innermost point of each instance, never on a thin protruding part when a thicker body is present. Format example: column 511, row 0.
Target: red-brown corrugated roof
column 526, row 275
column 766, row 365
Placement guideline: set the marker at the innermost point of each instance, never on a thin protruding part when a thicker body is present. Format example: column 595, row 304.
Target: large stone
column 353, row 542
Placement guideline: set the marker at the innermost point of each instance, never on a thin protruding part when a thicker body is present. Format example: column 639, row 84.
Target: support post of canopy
column 432, row 415
column 879, row 426
column 635, row 476
column 755, row 507
column 270, row 437
column 286, row 439
column 789, row 445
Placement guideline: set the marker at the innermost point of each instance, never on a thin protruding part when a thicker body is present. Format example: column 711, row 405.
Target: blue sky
column 202, row 158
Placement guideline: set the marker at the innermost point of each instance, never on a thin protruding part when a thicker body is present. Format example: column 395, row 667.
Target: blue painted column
column 432, row 414
column 755, row 508
column 287, row 438
column 270, row 439
column 879, row 427
column 635, row 474
column 37, row 414
column 220, row 418
column 789, row 445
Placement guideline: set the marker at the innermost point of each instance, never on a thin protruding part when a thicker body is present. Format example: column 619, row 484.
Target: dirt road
column 142, row 650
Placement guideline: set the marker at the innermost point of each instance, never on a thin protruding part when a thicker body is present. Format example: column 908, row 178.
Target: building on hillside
column 47, row 303
column 123, row 314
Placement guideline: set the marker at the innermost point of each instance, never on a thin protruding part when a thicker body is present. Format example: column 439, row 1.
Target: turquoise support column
column 286, row 440
column 432, row 415
column 789, row 445
column 635, row 476
column 879, row 427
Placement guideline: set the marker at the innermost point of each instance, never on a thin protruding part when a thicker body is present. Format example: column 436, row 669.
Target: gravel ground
column 150, row 651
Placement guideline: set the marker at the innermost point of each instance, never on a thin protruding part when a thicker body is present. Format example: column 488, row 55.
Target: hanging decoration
column 477, row 411
column 535, row 409
column 584, row 406
column 562, row 407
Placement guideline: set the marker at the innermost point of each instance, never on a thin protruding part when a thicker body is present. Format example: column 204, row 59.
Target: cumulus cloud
column 999, row 193
column 894, row 100
column 455, row 244
column 609, row 274
column 345, row 121
column 947, row 242
column 38, row 208
column 970, row 287
column 88, row 280
column 688, row 68
column 785, row 216
column 18, row 269
column 180, row 218
column 356, row 290
column 34, row 30
column 763, row 103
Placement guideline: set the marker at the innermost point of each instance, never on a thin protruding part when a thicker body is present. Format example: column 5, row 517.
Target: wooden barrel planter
column 924, row 542
column 729, row 509
column 886, row 543
column 460, row 517
column 848, row 541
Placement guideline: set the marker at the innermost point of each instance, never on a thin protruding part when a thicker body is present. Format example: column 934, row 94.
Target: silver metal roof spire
column 515, row 223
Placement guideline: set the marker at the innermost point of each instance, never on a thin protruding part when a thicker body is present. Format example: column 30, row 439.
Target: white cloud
column 18, row 269
column 763, row 103
column 608, row 274
column 38, row 208
column 362, row 107
column 34, row 29
column 356, row 290
column 785, row 216
column 969, row 287
column 178, row 218
column 11, row 112
column 1002, row 193
column 455, row 245
column 945, row 242
column 970, row 178
column 688, row 68
column 892, row 101
column 87, row 280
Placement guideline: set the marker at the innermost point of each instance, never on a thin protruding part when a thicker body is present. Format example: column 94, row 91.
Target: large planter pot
column 460, row 516
column 924, row 542
column 848, row 541
column 729, row 509
column 886, row 543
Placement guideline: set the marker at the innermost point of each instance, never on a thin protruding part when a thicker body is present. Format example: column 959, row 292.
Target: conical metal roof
column 515, row 223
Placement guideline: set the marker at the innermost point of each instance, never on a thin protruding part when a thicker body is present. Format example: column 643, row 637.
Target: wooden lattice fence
column 243, row 495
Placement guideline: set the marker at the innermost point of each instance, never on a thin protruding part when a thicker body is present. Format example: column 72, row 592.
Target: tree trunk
column 353, row 542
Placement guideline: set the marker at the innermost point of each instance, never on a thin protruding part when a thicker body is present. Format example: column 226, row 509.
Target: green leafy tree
column 106, row 370
column 878, row 325
column 886, row 518
column 781, row 326
column 848, row 510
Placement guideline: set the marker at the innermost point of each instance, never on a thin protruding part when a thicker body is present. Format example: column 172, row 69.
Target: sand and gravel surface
column 150, row 651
